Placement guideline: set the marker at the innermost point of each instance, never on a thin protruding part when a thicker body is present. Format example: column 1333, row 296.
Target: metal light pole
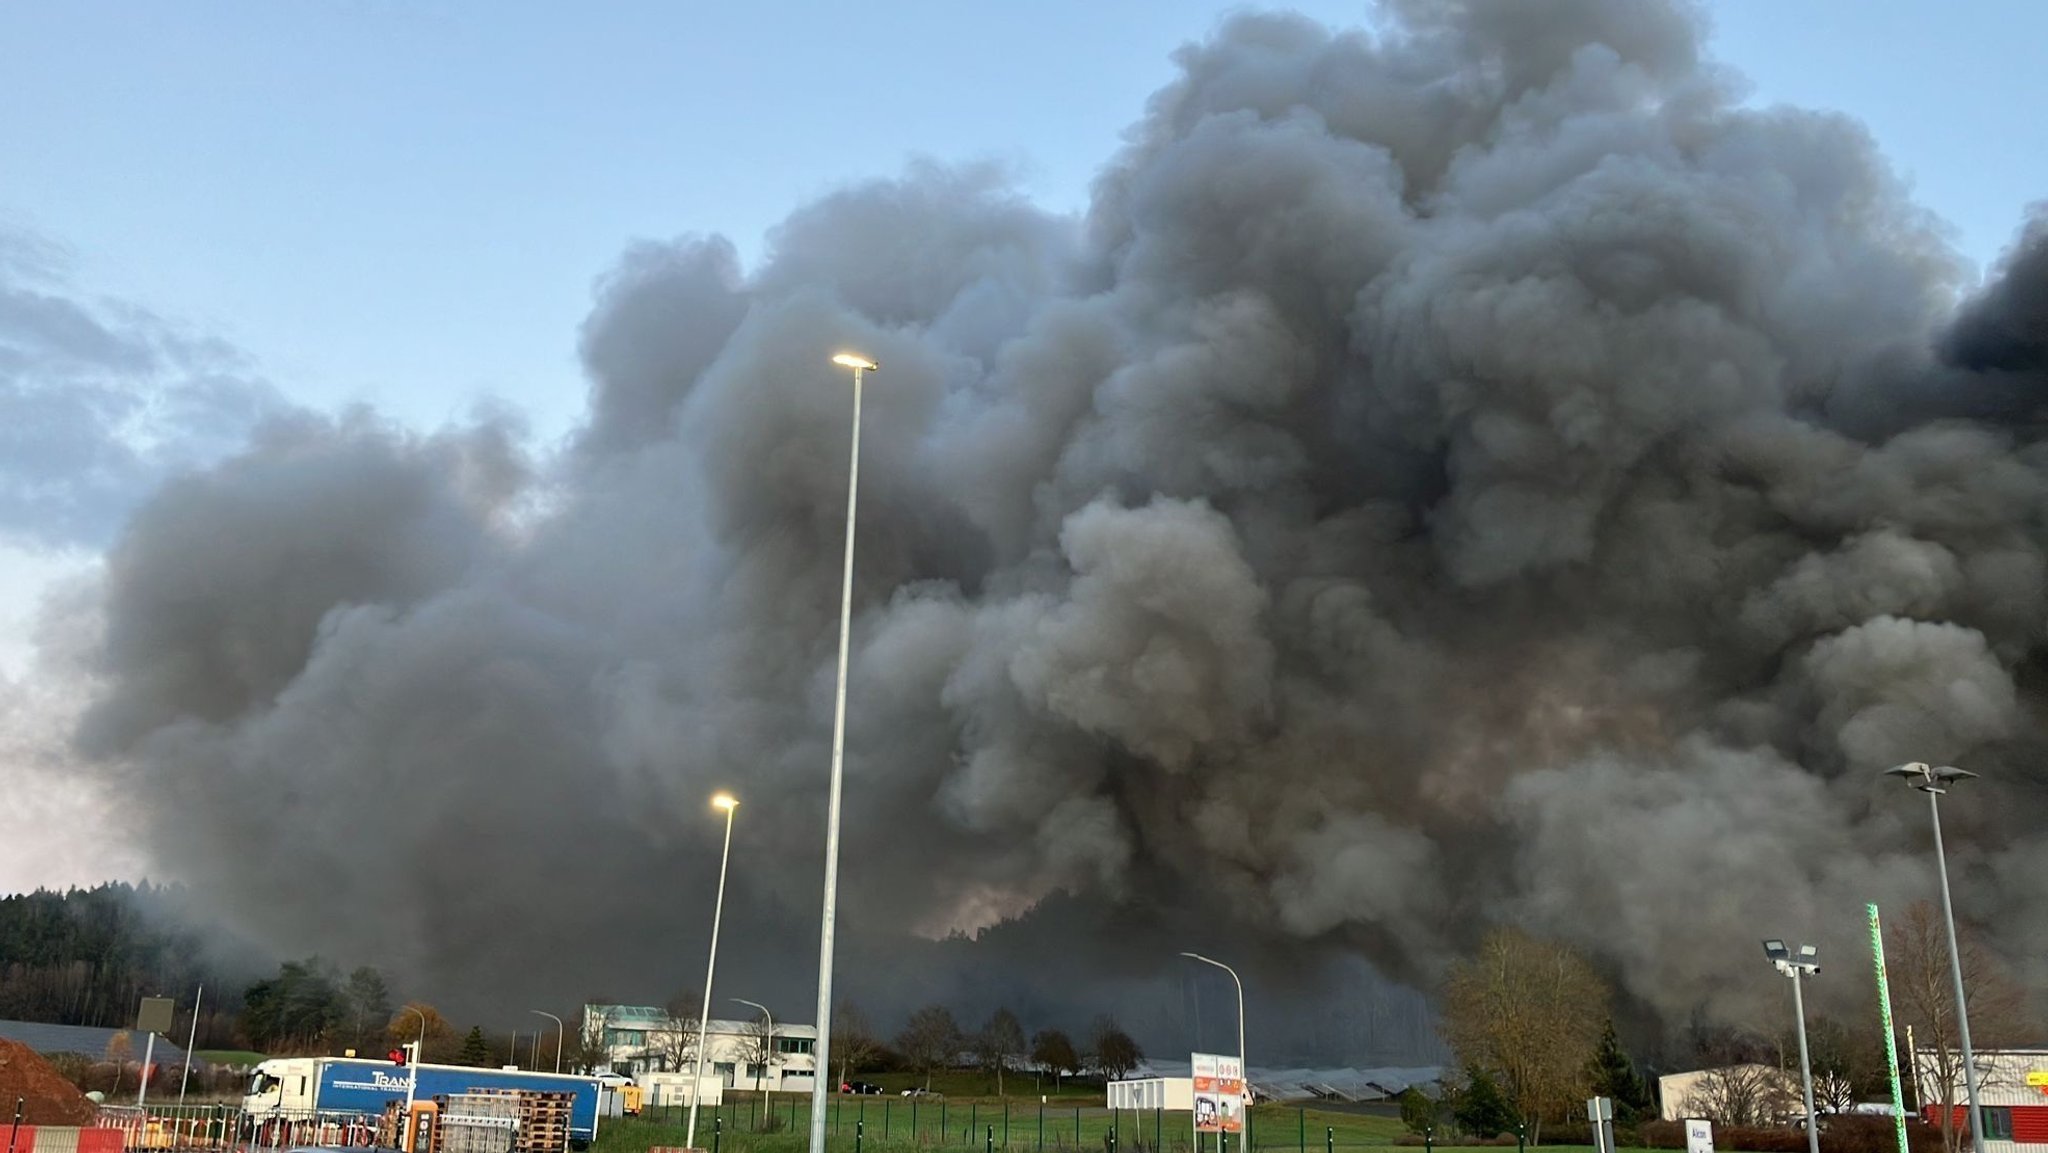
column 1805, row 963
column 1934, row 781
column 767, row 1046
column 727, row 802
column 558, row 1036
column 859, row 365
column 191, row 1039
column 1244, row 1071
column 412, row 1078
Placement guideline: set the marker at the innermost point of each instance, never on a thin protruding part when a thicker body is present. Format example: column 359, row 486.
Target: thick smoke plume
column 1470, row 472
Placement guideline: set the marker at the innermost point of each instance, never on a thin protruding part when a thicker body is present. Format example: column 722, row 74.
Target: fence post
column 1041, row 1125
column 717, row 1130
column 1077, row 1126
column 858, row 1125
column 973, row 1121
column 1522, row 1136
column 990, row 1146
column 1006, row 1122
column 1330, row 1139
column 1428, row 1139
column 885, row 1118
column 913, row 1120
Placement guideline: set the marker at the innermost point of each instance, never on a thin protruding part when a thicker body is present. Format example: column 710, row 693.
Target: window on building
column 1997, row 1123
column 724, row 1068
column 756, row 1069
column 628, row 1037
column 793, row 1045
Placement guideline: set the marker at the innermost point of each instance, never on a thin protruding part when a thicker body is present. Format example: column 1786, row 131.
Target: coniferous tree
column 475, row 1050
column 1612, row 1074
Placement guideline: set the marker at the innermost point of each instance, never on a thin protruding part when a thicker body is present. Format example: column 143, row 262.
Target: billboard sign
column 1699, row 1135
column 1219, row 1093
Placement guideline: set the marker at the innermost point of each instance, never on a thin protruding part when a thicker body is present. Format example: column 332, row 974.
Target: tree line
column 932, row 1040
column 89, row 956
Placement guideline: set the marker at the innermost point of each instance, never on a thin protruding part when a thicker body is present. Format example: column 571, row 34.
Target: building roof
column 652, row 1018
column 88, row 1040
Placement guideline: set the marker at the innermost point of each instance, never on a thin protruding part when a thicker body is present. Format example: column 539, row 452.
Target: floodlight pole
column 1805, row 1065
column 1955, row 962
column 827, row 917
column 1934, row 781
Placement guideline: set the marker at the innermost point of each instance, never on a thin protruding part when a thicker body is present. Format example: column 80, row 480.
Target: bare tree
column 853, row 1040
column 675, row 1043
column 584, row 1049
column 1112, row 1050
column 119, row 1049
column 929, row 1041
column 415, row 1018
column 1923, row 990
column 1053, row 1051
column 757, row 1049
column 1744, row 1095
column 1531, row 1012
column 1847, row 1059
column 999, row 1043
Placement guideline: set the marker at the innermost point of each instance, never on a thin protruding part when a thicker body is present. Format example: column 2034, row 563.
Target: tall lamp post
column 1244, row 1072
column 767, row 1044
column 728, row 803
column 1804, row 963
column 1934, row 780
column 558, row 1036
column 412, row 1080
column 859, row 365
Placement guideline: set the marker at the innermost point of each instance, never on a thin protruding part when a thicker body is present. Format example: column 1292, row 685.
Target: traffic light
column 397, row 1056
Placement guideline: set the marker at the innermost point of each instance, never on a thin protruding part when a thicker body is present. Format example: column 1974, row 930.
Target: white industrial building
column 1173, row 1094
column 641, row 1040
column 2012, row 1091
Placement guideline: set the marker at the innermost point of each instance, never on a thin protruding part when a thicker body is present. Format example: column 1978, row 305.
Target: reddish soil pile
column 47, row 1098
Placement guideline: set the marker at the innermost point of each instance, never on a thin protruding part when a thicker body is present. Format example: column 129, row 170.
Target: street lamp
column 726, row 802
column 1934, row 780
column 558, row 1036
column 767, row 1046
column 1804, row 963
column 1244, row 1072
column 412, row 1080
column 859, row 365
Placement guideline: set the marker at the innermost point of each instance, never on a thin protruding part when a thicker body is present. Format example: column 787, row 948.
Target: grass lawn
column 900, row 1125
column 229, row 1056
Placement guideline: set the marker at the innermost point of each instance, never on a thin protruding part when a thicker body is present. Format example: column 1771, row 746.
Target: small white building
column 1772, row 1094
column 643, row 1039
column 1173, row 1094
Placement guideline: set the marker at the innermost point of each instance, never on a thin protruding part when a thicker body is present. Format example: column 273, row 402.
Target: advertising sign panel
column 1219, row 1093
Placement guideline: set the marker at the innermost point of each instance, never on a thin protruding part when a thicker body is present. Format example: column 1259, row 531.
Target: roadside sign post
column 1600, row 1111
column 153, row 1018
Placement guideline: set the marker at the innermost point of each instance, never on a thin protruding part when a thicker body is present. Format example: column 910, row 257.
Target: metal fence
column 226, row 1127
column 869, row 1124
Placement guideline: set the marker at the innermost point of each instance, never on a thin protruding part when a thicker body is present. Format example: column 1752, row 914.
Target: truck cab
column 281, row 1084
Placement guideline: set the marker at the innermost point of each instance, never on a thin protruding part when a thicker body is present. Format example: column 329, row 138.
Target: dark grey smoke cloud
column 1471, row 472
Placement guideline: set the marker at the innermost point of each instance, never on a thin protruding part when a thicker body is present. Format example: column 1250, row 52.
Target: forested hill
column 88, row 957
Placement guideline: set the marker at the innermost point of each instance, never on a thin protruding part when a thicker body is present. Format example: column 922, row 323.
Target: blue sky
column 407, row 203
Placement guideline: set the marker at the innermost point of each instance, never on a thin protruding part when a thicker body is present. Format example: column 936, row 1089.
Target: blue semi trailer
column 288, row 1087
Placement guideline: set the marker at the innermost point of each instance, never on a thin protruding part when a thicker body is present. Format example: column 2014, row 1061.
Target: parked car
column 863, row 1088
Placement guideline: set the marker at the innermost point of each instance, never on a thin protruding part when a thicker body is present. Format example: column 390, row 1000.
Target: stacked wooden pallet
column 543, row 1119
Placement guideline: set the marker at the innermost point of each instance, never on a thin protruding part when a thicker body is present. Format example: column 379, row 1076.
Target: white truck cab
column 281, row 1084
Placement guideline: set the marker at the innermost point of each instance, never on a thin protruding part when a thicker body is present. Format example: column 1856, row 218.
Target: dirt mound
column 47, row 1098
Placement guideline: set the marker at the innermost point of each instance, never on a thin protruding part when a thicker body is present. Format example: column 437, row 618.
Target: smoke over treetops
column 1474, row 472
